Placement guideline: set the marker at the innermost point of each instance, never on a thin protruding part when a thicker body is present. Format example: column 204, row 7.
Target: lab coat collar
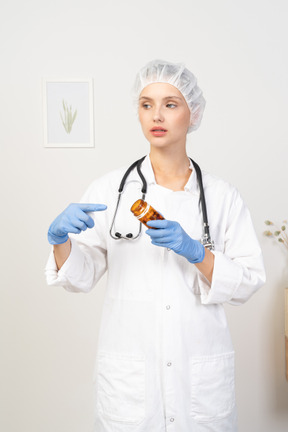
column 147, row 170
column 192, row 183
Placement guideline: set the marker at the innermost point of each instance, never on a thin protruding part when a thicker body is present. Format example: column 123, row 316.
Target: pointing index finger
column 92, row 207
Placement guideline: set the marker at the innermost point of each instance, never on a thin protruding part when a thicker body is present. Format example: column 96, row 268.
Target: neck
column 171, row 169
column 169, row 162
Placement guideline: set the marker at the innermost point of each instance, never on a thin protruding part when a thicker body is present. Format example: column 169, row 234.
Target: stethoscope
column 206, row 239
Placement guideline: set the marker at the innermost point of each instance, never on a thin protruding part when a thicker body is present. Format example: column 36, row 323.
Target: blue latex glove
column 171, row 235
column 73, row 219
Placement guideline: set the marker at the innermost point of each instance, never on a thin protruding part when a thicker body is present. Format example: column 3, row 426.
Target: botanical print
column 69, row 118
column 68, row 113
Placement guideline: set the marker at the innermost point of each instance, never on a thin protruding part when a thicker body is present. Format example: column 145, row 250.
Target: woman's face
column 164, row 115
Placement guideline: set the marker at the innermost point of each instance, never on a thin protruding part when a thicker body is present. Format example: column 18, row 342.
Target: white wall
column 238, row 51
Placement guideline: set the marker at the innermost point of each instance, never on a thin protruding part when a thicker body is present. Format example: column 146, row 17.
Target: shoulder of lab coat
column 87, row 260
column 238, row 268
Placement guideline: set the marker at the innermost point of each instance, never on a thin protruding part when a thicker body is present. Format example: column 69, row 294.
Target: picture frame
column 68, row 112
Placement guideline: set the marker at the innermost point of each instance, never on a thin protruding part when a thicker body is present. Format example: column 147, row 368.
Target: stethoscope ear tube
column 117, row 235
column 144, row 183
column 123, row 181
column 129, row 236
column 206, row 240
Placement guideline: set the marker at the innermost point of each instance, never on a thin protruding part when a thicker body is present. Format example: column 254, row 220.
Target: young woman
column 165, row 360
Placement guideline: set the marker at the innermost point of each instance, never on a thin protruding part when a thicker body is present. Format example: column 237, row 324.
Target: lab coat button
column 172, row 419
column 169, row 364
column 168, row 307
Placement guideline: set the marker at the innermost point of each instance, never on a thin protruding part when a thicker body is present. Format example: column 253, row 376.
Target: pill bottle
column 144, row 212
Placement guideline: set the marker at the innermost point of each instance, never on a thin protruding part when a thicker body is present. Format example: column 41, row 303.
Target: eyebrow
column 167, row 97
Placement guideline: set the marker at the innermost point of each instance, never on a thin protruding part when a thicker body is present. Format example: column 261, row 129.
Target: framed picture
column 68, row 112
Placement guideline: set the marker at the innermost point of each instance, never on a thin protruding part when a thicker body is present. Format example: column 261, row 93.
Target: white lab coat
column 165, row 360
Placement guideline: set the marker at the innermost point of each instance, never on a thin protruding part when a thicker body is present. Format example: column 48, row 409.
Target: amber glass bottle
column 145, row 212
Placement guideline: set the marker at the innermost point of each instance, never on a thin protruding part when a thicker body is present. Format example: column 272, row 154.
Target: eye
column 146, row 105
column 171, row 105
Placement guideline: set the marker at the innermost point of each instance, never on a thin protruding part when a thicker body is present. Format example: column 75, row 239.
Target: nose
column 158, row 115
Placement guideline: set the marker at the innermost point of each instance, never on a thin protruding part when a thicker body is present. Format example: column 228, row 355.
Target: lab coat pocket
column 121, row 387
column 212, row 387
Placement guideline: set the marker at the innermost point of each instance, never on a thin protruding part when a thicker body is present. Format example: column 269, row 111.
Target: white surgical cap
column 180, row 77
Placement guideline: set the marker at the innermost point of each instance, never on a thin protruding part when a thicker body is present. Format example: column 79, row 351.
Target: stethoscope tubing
column 206, row 240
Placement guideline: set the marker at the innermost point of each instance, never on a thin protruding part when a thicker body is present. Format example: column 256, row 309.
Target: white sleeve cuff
column 227, row 276
column 69, row 271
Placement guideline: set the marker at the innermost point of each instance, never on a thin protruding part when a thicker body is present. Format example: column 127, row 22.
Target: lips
column 158, row 129
column 158, row 132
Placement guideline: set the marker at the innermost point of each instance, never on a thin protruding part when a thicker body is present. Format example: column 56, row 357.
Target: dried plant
column 280, row 234
column 69, row 117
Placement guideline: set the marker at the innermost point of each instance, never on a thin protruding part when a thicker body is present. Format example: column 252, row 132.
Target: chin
column 160, row 144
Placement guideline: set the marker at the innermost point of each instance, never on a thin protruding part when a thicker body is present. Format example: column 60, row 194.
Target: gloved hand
column 73, row 219
column 171, row 235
